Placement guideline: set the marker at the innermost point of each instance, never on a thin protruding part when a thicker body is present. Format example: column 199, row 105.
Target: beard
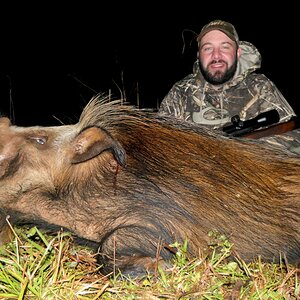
column 218, row 77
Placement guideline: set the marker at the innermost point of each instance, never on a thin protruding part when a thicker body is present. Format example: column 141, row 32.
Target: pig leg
column 133, row 251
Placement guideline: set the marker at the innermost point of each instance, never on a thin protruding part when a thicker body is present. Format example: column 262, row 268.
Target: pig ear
column 92, row 142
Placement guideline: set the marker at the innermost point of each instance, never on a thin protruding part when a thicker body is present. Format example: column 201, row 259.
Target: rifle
column 252, row 128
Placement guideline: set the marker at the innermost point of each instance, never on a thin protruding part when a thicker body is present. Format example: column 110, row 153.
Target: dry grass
column 37, row 265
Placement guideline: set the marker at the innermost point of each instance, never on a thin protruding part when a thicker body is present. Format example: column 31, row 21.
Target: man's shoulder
column 189, row 80
column 258, row 77
column 256, row 80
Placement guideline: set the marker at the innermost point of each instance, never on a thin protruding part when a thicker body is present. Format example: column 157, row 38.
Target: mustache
column 217, row 61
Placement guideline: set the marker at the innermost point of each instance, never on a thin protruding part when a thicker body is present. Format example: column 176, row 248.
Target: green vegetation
column 39, row 265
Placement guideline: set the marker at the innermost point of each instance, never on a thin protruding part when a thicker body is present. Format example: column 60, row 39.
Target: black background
column 54, row 58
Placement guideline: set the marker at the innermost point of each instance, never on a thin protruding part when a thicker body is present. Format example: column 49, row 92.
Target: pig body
column 132, row 183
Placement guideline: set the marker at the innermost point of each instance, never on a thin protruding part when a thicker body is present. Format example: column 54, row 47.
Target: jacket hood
column 249, row 61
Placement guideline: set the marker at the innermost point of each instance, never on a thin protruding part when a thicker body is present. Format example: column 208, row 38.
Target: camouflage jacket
column 247, row 94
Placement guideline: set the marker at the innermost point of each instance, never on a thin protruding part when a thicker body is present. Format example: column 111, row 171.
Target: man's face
column 218, row 56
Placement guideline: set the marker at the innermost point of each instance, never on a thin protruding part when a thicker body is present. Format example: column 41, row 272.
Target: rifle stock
column 278, row 128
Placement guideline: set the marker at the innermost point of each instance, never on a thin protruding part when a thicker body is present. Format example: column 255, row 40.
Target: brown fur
column 128, row 180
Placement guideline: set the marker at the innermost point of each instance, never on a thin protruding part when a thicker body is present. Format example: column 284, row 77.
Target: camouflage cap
column 223, row 26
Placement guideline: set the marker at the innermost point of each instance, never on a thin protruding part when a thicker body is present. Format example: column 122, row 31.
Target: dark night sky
column 54, row 59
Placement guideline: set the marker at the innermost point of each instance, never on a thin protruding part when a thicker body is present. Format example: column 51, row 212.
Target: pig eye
column 40, row 140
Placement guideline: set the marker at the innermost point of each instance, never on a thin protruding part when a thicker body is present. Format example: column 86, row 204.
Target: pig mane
column 116, row 116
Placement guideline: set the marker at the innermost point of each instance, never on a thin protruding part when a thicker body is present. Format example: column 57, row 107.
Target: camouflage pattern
column 247, row 94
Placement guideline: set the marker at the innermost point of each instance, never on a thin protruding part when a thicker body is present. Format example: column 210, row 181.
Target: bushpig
column 131, row 182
